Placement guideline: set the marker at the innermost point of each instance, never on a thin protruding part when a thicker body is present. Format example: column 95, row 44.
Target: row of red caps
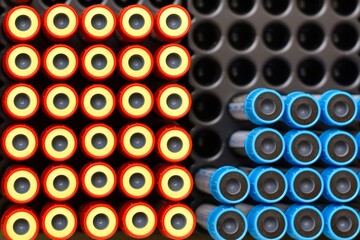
column 97, row 141
column 100, row 220
column 97, row 102
column 20, row 184
column 98, row 62
column 97, row 23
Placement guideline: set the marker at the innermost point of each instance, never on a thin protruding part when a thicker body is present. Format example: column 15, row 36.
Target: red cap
column 141, row 56
column 31, row 61
column 176, row 112
column 99, row 211
column 185, row 219
column 47, row 145
column 144, row 183
column 181, row 25
column 51, row 109
column 11, row 94
column 181, row 141
column 32, row 24
column 24, row 133
column 139, row 110
column 180, row 61
column 29, row 184
column 68, row 185
column 92, row 33
column 105, row 179
column 138, row 213
column 107, row 100
column 145, row 140
column 61, row 33
column 24, row 213
column 87, row 66
column 65, row 72
column 62, row 212
column 174, row 182
column 129, row 33
column 106, row 141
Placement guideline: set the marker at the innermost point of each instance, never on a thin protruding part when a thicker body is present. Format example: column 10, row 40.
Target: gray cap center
column 140, row 220
column 23, row 23
column 341, row 148
column 99, row 21
column 174, row 101
column 175, row 183
column 61, row 61
column 61, row 183
column 137, row 181
column 268, row 146
column 267, row 106
column 343, row 185
column 136, row 21
column 173, row 60
column 303, row 111
column 233, row 186
column 230, row 226
column 59, row 222
column 137, row 140
column 173, row 21
column 22, row 185
column 61, row 21
column 59, row 143
column 61, row 101
column 271, row 224
column 23, row 61
column 99, row 141
column 99, row 62
column 136, row 62
column 101, row 221
column 174, row 144
column 307, row 185
column 271, row 186
column 99, row 180
column 21, row 226
column 341, row 109
column 22, row 101
column 98, row 101
column 178, row 221
column 307, row 223
column 344, row 224
column 136, row 100
column 305, row 148
column 20, row 142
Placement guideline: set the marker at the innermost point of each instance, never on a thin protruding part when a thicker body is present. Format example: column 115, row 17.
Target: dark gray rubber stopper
column 136, row 100
column 136, row 62
column 61, row 183
column 22, row 101
column 136, row 21
column 21, row 226
column 99, row 62
column 230, row 226
column 98, row 101
column 174, row 101
column 61, row 101
column 175, row 183
column 173, row 21
column 174, row 144
column 137, row 180
column 101, row 221
column 99, row 21
column 61, row 61
column 61, row 21
column 22, row 185
column 178, row 221
column 173, row 60
column 99, row 180
column 20, row 142
column 137, row 140
column 23, row 61
column 23, row 23
column 59, row 143
column 99, row 141
column 140, row 220
column 59, row 222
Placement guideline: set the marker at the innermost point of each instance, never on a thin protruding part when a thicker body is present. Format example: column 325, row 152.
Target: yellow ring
column 109, row 184
column 136, row 32
column 148, row 141
column 136, row 73
column 110, row 21
column 174, row 112
column 90, row 219
column 32, row 105
column 61, row 31
column 185, row 141
column 61, row 72
column 22, row 196
column 184, row 60
column 98, row 112
column 21, row 215
column 189, row 221
column 136, row 111
column 50, row 183
column 184, row 21
column 144, row 189
column 110, row 141
column 59, row 132
column 70, row 222
column 20, row 131
column 165, row 186
column 129, row 220
column 23, row 12
column 50, row 101
column 33, row 65
column 110, row 61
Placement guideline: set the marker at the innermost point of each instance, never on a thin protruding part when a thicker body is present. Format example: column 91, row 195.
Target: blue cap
column 264, row 151
column 236, row 186
column 342, row 146
column 235, row 225
column 302, row 110
column 308, row 145
column 342, row 112
column 272, row 180
column 267, row 222
column 357, row 138
column 308, row 225
column 268, row 110
column 311, row 186
column 349, row 225
column 344, row 187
